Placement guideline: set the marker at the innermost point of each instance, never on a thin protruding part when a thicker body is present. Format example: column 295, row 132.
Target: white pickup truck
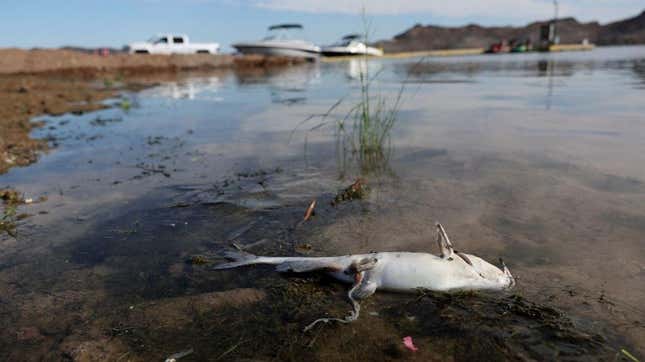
column 172, row 44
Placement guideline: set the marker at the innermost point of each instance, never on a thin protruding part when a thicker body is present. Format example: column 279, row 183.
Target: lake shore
column 110, row 237
column 65, row 62
column 55, row 82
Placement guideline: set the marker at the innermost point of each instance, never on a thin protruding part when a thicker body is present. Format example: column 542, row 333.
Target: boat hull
column 345, row 52
column 273, row 50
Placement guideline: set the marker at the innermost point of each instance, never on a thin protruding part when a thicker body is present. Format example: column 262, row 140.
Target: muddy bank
column 135, row 291
column 18, row 61
column 25, row 97
column 55, row 82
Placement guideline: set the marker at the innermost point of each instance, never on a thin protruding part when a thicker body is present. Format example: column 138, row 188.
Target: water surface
column 536, row 158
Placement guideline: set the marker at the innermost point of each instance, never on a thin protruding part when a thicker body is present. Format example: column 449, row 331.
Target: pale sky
column 91, row 23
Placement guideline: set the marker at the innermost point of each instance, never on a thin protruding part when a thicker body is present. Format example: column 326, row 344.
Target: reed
column 372, row 119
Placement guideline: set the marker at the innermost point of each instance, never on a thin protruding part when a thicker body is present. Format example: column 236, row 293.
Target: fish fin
column 444, row 243
column 239, row 258
column 363, row 265
column 365, row 289
column 511, row 279
column 302, row 266
column 464, row 257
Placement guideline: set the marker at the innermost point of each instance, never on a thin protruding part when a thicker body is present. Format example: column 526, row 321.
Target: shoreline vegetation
column 69, row 62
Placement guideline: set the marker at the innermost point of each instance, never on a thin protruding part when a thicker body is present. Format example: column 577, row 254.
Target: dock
column 571, row 47
column 459, row 52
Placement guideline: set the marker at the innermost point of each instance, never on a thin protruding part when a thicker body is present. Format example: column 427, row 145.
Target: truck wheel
column 141, row 51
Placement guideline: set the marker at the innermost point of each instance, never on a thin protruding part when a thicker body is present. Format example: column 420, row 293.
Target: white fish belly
column 406, row 272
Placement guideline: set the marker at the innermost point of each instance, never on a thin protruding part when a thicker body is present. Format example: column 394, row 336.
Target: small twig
column 313, row 340
column 310, row 210
column 233, row 348
column 178, row 355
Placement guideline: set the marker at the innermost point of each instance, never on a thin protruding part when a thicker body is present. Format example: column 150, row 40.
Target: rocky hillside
column 428, row 37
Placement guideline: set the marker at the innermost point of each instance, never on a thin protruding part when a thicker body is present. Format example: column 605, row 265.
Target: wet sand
column 141, row 201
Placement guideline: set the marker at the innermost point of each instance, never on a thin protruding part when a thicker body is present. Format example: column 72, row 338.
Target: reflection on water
column 639, row 69
column 546, row 68
column 354, row 160
column 286, row 86
column 536, row 158
column 357, row 66
column 204, row 88
column 362, row 135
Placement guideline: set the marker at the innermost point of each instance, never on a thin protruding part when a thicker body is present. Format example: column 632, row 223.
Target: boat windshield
column 285, row 32
column 349, row 40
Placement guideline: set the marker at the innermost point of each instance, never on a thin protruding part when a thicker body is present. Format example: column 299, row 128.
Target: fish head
column 500, row 278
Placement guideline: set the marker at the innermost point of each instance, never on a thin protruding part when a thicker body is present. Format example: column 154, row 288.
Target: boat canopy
column 285, row 26
column 352, row 37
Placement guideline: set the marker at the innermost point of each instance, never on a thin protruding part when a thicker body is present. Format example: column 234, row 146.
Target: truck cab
column 172, row 44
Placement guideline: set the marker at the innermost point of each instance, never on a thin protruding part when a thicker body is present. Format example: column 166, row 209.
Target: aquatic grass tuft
column 125, row 105
column 372, row 120
column 8, row 221
column 629, row 355
column 363, row 134
column 10, row 201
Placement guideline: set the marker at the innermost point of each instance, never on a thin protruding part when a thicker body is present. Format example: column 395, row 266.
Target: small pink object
column 407, row 342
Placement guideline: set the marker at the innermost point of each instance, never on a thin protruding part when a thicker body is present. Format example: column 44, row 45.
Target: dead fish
column 393, row 271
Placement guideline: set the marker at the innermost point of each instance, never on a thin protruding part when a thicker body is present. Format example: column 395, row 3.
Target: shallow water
column 536, row 158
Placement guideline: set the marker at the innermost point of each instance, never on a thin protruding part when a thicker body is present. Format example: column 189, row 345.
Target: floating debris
column 101, row 121
column 310, row 210
column 260, row 172
column 198, row 260
column 153, row 169
column 407, row 342
column 304, row 248
column 629, row 355
column 178, row 355
column 125, row 104
column 11, row 197
column 179, row 205
column 357, row 190
column 7, row 223
column 23, row 216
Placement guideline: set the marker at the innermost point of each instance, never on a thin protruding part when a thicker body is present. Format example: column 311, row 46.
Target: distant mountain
column 628, row 31
column 428, row 37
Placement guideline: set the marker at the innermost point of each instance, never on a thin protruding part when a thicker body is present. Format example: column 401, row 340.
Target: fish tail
column 242, row 258
column 238, row 258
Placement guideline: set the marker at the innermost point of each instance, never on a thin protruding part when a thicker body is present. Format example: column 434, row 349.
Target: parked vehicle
column 350, row 45
column 172, row 44
column 282, row 39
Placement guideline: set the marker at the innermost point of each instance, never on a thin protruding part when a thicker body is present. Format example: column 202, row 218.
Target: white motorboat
column 350, row 45
column 282, row 40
